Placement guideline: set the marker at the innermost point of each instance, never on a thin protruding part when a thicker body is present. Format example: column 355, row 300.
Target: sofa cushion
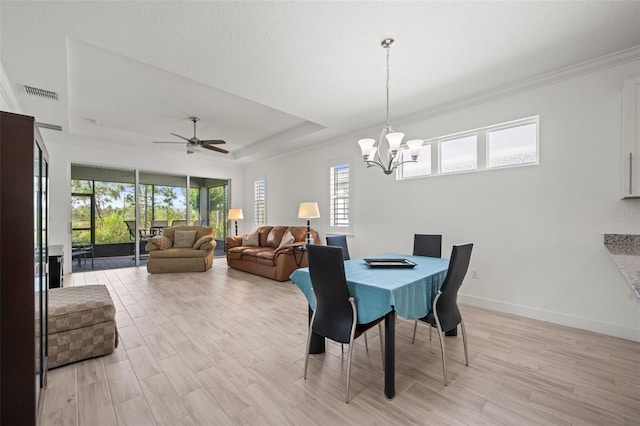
column 275, row 235
column 264, row 232
column 184, row 239
column 253, row 251
column 180, row 252
column 266, row 255
column 159, row 242
column 287, row 238
column 251, row 240
column 201, row 231
column 198, row 244
column 299, row 232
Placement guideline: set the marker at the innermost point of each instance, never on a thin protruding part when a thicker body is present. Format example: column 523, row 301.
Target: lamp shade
column 308, row 210
column 235, row 214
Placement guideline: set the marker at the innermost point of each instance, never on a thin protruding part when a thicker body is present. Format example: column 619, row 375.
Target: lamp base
column 308, row 241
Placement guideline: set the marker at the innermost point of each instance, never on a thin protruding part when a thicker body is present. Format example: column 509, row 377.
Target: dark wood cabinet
column 23, row 268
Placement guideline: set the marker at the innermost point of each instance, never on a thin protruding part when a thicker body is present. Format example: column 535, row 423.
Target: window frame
column 510, row 125
column 256, row 213
column 482, row 146
column 458, row 136
column 348, row 229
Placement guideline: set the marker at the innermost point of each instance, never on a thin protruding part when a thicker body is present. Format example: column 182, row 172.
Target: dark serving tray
column 389, row 263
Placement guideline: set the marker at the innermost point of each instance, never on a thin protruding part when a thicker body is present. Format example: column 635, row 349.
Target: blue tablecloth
column 379, row 290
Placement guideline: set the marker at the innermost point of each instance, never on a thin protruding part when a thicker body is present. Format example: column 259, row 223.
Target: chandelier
column 387, row 155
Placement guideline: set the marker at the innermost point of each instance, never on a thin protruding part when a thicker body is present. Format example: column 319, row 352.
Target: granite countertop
column 625, row 251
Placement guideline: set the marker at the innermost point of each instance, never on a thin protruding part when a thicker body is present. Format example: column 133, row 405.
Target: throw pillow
column 252, row 239
column 161, row 242
column 201, row 241
column 287, row 238
column 184, row 239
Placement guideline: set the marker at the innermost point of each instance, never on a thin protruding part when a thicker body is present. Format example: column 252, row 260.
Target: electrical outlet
column 474, row 274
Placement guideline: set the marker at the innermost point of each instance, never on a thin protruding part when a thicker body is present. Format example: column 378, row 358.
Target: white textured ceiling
column 271, row 77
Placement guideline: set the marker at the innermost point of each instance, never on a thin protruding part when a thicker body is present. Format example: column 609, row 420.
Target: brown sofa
column 164, row 257
column 268, row 259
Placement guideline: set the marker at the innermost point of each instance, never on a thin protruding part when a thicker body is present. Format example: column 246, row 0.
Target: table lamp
column 308, row 210
column 235, row 214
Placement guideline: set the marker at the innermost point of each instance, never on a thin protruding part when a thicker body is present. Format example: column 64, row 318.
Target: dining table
column 384, row 289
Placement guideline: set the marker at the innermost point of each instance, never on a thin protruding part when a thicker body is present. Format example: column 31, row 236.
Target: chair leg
column 366, row 345
column 444, row 361
column 464, row 340
column 306, row 355
column 381, row 343
column 415, row 327
column 349, row 369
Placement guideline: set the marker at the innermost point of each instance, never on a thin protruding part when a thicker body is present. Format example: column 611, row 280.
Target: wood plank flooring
column 225, row 347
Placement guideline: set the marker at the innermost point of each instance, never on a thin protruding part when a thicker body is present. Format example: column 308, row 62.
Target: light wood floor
column 225, row 347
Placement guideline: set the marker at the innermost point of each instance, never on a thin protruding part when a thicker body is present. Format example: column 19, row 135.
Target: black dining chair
column 335, row 316
column 445, row 314
column 427, row 245
column 339, row 241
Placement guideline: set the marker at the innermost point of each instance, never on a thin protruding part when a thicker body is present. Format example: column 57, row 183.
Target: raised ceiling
column 272, row 77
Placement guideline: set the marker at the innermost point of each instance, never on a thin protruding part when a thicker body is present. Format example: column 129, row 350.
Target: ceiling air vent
column 41, row 93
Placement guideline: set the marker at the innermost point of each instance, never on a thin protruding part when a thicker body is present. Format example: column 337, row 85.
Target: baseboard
column 589, row 324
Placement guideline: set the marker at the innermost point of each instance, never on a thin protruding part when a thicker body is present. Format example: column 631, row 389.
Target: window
column 502, row 145
column 458, row 155
column 512, row 145
column 339, row 192
column 259, row 201
column 420, row 168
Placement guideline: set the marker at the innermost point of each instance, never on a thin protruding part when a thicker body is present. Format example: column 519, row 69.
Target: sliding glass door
column 103, row 212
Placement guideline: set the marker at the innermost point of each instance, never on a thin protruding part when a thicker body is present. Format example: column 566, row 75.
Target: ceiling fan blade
column 181, row 143
column 181, row 137
column 215, row 148
column 213, row 142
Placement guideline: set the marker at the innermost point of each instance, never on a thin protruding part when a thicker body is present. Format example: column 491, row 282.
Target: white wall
column 65, row 149
column 538, row 230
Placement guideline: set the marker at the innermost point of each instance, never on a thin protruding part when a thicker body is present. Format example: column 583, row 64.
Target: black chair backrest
column 333, row 313
column 447, row 305
column 339, row 241
column 427, row 245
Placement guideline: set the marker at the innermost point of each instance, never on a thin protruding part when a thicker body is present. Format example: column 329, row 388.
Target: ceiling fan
column 194, row 144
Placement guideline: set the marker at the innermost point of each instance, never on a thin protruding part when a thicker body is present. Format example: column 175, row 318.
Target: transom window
column 459, row 155
column 509, row 144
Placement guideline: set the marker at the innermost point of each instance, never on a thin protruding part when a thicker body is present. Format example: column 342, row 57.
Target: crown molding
column 587, row 67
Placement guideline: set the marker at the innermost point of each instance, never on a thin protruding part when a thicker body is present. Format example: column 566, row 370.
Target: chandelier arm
column 371, row 163
column 405, row 161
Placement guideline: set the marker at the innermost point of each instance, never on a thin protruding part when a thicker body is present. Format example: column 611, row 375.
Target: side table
column 298, row 254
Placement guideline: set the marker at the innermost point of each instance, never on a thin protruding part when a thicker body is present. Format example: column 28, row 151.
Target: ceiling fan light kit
column 194, row 144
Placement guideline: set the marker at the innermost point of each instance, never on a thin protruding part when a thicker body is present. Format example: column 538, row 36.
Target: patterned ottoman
column 81, row 324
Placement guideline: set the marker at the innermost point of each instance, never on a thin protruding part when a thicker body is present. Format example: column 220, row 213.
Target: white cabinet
column 631, row 138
